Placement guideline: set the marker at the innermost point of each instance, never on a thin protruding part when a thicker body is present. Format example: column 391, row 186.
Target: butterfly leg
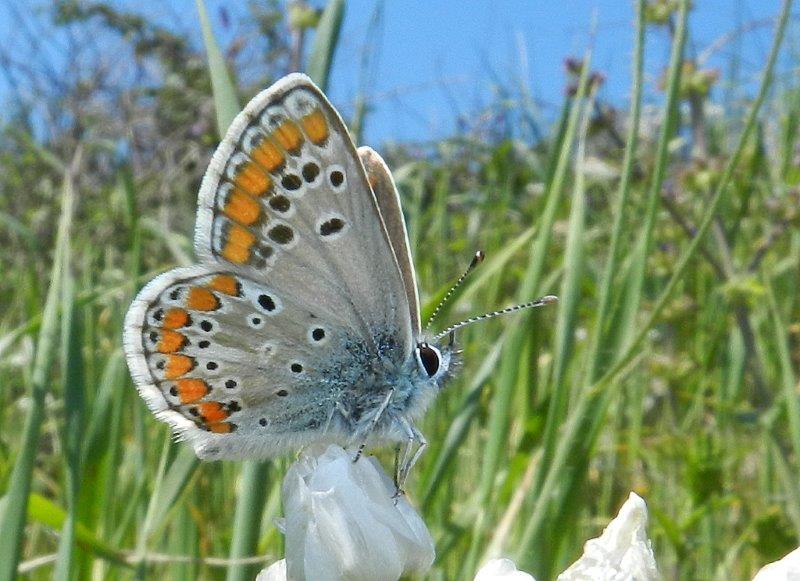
column 414, row 436
column 397, row 464
column 423, row 444
column 375, row 419
column 400, row 464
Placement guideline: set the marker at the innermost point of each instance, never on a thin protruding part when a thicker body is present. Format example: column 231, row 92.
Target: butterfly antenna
column 549, row 299
column 476, row 260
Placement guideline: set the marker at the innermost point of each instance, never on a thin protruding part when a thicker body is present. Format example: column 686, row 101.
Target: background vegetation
column 670, row 367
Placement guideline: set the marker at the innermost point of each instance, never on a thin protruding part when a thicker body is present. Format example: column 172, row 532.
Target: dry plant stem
column 682, row 221
column 724, row 271
column 721, row 42
column 711, row 209
column 775, row 234
column 761, row 396
column 153, row 559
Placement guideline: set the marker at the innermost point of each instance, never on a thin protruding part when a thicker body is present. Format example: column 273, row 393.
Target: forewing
column 236, row 367
column 286, row 201
column 388, row 199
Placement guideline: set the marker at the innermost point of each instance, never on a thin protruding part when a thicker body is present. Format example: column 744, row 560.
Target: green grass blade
column 114, row 375
column 530, row 287
column 711, row 208
column 12, row 518
column 490, row 271
column 569, row 295
column 511, row 374
column 788, row 380
column 633, row 297
column 326, row 39
column 46, row 512
column 13, row 225
column 787, row 477
column 171, row 483
column 247, row 520
column 254, row 474
column 460, row 424
column 593, row 404
column 595, row 357
column 573, row 271
column 73, row 388
column 226, row 102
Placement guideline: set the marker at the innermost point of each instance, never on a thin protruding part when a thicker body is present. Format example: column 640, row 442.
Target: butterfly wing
column 286, row 198
column 388, row 199
column 235, row 367
column 246, row 354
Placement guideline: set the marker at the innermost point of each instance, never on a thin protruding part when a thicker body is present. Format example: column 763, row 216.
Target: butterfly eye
column 428, row 358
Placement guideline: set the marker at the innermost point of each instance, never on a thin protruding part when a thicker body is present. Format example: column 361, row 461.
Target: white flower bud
column 343, row 522
column 275, row 572
column 786, row 569
column 621, row 553
column 502, row 570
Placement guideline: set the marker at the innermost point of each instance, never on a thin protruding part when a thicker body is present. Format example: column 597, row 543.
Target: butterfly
column 301, row 322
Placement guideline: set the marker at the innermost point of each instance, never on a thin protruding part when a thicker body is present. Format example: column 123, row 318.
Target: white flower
column 275, row 572
column 787, row 569
column 502, row 570
column 343, row 522
column 622, row 552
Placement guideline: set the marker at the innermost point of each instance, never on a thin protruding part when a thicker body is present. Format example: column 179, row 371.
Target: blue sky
column 465, row 46
column 437, row 59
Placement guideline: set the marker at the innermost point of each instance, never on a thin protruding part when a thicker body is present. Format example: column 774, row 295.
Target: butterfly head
column 435, row 360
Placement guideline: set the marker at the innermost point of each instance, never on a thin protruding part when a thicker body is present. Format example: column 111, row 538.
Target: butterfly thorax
column 376, row 390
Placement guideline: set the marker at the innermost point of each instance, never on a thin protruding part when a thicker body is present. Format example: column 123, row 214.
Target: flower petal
column 786, row 569
column 502, row 570
column 622, row 552
column 342, row 521
column 275, row 572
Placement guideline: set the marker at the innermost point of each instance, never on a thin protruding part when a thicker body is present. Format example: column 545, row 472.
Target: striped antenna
column 476, row 260
column 549, row 299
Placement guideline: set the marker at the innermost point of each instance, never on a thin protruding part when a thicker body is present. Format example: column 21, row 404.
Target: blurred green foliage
column 687, row 397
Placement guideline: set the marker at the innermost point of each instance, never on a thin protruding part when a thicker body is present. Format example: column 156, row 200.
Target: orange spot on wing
column 242, row 208
column 288, row 136
column 268, row 155
column 316, row 127
column 175, row 319
column 202, row 299
column 178, row 365
column 238, row 244
column 212, row 412
column 227, row 284
column 191, row 390
column 222, row 428
column 170, row 341
column 252, row 180
column 235, row 254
